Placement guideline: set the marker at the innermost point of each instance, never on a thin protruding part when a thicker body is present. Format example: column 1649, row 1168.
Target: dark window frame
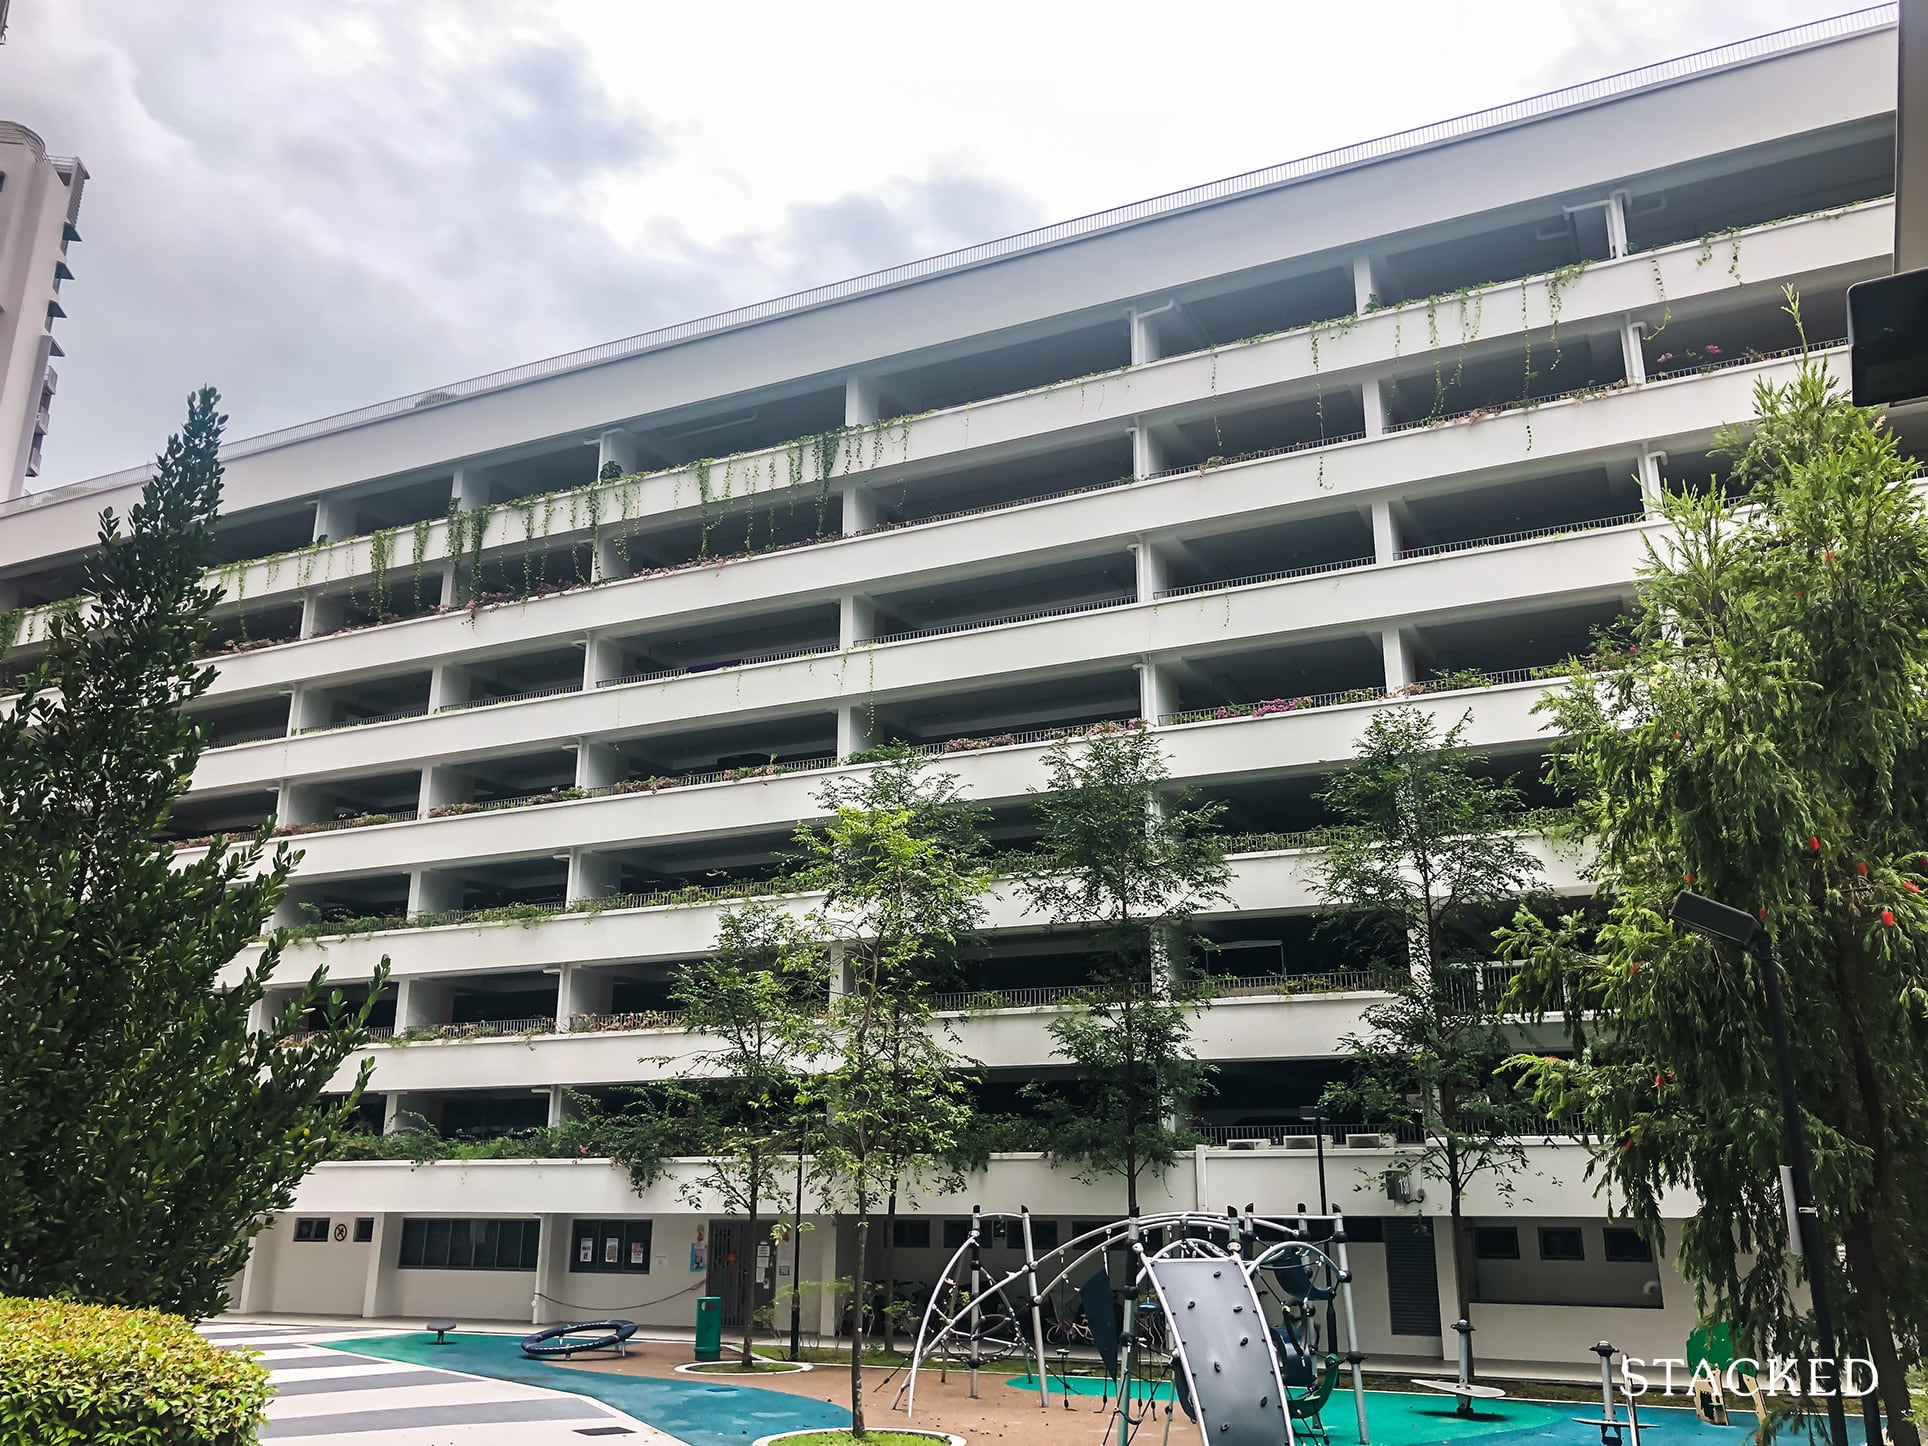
column 1623, row 1245
column 1563, row 1233
column 1488, row 1242
column 364, row 1229
column 603, row 1233
column 312, row 1229
column 461, row 1243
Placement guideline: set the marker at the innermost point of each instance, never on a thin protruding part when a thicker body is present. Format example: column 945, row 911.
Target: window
column 1496, row 1242
column 1085, row 1227
column 956, row 1232
column 1626, row 1245
column 610, row 1246
column 910, row 1234
column 364, row 1229
column 1562, row 1242
column 468, row 1244
column 1365, row 1229
column 311, row 1228
column 1044, row 1236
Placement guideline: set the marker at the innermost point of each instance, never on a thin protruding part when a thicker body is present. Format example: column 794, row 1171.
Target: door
column 731, row 1253
column 1412, row 1278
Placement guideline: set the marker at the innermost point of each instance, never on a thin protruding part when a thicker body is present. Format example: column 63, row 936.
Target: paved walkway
column 327, row 1396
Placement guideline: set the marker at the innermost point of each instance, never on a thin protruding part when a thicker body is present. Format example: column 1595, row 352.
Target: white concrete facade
column 39, row 203
column 1378, row 431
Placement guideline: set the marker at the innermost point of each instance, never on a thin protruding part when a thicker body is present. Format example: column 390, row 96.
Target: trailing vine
column 381, row 552
column 420, row 537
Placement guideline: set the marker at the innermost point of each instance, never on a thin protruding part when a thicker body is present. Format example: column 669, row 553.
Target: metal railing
column 783, row 656
column 550, row 691
column 1499, row 117
column 399, row 714
column 1275, row 707
column 1213, row 464
column 1260, row 577
column 1502, row 539
column 624, row 1022
column 1035, row 615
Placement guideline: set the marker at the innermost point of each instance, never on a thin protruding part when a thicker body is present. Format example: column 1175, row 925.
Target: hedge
column 88, row 1375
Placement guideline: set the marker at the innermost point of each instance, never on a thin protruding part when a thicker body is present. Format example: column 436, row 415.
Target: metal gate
column 732, row 1253
column 1412, row 1278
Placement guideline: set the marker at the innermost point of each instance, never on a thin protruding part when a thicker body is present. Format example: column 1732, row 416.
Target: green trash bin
column 709, row 1328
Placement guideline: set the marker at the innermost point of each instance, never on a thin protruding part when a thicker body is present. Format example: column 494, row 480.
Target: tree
column 1119, row 848
column 1761, row 739
column 149, row 1130
column 1425, row 858
column 751, row 997
column 900, row 864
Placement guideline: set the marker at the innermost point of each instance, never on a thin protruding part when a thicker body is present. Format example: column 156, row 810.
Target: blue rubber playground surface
column 701, row 1412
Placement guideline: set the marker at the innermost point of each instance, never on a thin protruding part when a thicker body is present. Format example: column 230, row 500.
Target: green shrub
column 90, row 1375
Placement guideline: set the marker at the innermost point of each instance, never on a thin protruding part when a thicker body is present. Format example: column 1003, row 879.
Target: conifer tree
column 148, row 1129
column 1763, row 741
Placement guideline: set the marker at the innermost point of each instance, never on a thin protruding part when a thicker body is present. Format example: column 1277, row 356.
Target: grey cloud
column 311, row 237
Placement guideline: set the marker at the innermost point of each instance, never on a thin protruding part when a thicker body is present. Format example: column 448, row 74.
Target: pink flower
column 1712, row 350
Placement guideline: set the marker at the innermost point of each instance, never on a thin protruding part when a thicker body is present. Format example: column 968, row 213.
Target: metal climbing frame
column 1245, row 1405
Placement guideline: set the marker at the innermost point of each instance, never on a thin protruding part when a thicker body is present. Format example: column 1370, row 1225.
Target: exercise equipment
column 1466, row 1389
column 1186, row 1293
column 1710, row 1356
column 598, row 1335
column 1611, row 1428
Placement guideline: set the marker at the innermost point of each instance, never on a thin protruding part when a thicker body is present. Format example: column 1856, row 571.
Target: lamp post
column 796, row 1268
column 1717, row 921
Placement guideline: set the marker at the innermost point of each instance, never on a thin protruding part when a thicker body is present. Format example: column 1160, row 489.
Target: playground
column 1231, row 1330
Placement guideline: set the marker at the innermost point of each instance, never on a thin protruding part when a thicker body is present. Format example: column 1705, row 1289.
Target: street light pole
column 796, row 1268
column 1718, row 921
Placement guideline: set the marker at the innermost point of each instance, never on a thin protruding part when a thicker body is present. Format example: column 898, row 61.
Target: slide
column 1223, row 1359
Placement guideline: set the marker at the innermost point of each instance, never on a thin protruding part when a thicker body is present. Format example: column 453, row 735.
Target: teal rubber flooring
column 702, row 1412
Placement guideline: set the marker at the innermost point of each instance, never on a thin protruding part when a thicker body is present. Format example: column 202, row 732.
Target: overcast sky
column 319, row 206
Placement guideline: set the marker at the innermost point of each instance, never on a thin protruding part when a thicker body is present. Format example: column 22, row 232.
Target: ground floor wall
column 653, row 1267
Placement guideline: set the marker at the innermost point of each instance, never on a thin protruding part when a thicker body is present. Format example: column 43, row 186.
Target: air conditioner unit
column 1365, row 1142
column 1307, row 1143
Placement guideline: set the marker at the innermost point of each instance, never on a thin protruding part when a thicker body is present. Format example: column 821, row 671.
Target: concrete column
column 431, row 891
column 298, row 803
column 551, row 1261
column 1448, row 1266
column 413, row 1111
column 321, row 613
column 820, row 1266
column 597, row 765
column 383, row 1255
column 1153, row 573
column 466, row 492
column 861, row 401
column 448, row 684
column 602, row 661
column 422, row 1002
column 583, row 990
column 558, row 1105
column 1147, row 456
column 856, row 620
column 1648, row 474
column 853, row 729
column 1363, row 292
column 1631, row 355
column 616, row 446
column 334, row 519
column 1144, row 336
column 591, row 875
column 443, row 783
column 1156, row 696
column 1617, row 224
column 1372, row 399
column 1398, row 651
column 257, row 1276
column 308, row 709
column 859, row 510
column 1385, row 532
